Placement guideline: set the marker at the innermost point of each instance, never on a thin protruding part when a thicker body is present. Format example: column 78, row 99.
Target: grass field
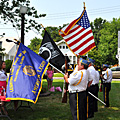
column 51, row 108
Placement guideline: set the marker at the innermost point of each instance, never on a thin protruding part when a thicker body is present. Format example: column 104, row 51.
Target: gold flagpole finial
column 84, row 5
column 42, row 26
column 18, row 42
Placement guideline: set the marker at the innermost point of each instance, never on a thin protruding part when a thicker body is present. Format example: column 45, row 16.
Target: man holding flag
column 79, row 38
column 77, row 90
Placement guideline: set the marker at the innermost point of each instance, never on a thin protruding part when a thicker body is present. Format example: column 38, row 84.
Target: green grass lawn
column 51, row 108
column 58, row 75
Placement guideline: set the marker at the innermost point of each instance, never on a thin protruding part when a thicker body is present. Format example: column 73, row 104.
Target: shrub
column 8, row 65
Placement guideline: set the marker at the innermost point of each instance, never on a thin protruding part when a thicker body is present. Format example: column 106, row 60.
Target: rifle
column 100, row 89
column 64, row 96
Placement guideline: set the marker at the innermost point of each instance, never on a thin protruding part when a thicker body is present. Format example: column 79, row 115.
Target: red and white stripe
column 78, row 39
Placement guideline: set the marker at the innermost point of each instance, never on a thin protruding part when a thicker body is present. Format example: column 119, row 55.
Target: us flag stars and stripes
column 78, row 35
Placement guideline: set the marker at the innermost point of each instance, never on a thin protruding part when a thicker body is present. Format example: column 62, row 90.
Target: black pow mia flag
column 51, row 53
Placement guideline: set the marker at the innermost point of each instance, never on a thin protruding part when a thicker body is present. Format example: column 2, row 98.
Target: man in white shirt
column 77, row 90
column 97, row 89
column 107, row 79
column 92, row 88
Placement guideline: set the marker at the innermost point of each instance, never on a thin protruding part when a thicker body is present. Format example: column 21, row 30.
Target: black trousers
column 91, row 101
column 106, row 90
column 96, row 101
column 77, row 103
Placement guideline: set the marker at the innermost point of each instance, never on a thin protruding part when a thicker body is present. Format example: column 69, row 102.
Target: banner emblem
column 29, row 70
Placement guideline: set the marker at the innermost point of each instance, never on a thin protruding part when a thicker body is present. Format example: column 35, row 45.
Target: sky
column 59, row 12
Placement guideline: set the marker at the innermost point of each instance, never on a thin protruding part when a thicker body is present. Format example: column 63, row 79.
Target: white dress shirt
column 3, row 77
column 78, row 81
column 108, row 76
column 93, row 74
column 89, row 75
column 98, row 77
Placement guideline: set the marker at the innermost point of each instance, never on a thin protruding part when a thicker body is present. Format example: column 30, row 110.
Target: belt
column 94, row 84
column 74, row 91
column 106, row 82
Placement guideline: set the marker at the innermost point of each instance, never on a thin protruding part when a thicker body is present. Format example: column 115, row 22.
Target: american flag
column 78, row 35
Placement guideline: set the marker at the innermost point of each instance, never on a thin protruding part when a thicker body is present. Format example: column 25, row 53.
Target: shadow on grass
column 51, row 108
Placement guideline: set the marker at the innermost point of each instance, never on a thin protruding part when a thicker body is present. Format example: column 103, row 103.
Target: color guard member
column 92, row 88
column 107, row 79
column 77, row 90
column 97, row 88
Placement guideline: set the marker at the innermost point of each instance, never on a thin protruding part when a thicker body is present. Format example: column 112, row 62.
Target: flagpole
column 84, row 5
column 42, row 26
column 57, row 69
column 97, row 98
column 18, row 42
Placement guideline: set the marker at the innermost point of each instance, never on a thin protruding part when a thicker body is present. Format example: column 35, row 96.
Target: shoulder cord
column 80, row 79
column 107, row 74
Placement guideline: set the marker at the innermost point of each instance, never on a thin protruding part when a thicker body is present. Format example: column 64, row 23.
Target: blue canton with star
column 84, row 21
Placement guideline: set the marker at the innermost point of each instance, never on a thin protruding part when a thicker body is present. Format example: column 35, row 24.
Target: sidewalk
column 115, row 79
column 58, row 77
column 63, row 78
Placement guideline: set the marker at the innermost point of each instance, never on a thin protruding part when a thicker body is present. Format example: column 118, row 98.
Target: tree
column 96, row 26
column 109, row 42
column 54, row 33
column 8, row 65
column 35, row 44
column 10, row 11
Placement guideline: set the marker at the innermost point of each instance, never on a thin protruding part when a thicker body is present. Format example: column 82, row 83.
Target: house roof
column 69, row 53
column 59, row 42
column 7, row 45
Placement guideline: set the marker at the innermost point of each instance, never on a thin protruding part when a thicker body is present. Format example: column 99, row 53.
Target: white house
column 65, row 50
column 10, row 48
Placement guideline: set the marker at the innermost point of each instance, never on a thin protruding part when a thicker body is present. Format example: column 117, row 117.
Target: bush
column 8, row 65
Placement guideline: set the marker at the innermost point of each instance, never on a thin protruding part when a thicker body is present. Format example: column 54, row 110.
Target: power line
column 107, row 10
column 6, row 28
column 90, row 11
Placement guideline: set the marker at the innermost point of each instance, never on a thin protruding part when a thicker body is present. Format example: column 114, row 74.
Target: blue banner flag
column 25, row 79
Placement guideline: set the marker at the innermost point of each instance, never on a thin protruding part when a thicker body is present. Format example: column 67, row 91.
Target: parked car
column 115, row 72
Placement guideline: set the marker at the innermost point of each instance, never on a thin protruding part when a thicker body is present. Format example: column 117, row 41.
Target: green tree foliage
column 96, row 26
column 106, row 49
column 109, row 42
column 8, row 65
column 10, row 12
column 2, row 49
column 35, row 44
column 53, row 32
